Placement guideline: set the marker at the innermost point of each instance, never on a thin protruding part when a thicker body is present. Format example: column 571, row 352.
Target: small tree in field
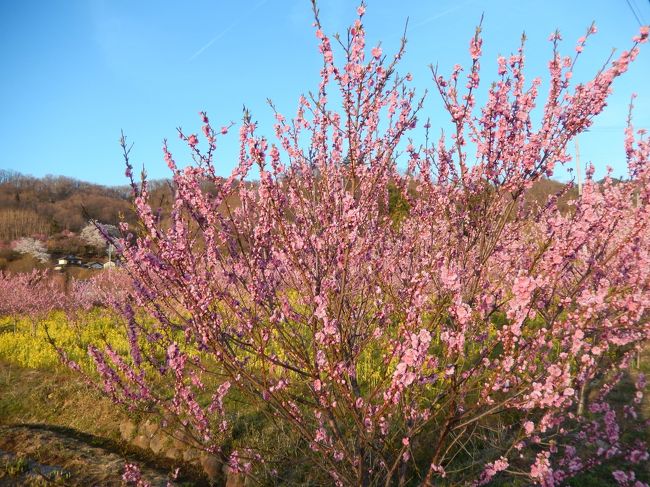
column 456, row 344
column 98, row 234
column 33, row 247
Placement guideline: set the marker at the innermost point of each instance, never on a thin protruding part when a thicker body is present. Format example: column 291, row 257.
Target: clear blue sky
column 73, row 73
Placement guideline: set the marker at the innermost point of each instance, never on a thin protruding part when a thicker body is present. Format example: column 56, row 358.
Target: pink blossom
column 529, row 427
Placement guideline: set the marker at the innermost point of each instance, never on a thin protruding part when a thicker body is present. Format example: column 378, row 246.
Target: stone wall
column 148, row 435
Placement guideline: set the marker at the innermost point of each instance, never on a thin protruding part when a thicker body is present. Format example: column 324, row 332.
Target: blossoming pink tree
column 473, row 338
column 107, row 289
column 33, row 295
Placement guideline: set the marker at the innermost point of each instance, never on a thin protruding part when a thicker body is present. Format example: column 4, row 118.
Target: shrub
column 458, row 346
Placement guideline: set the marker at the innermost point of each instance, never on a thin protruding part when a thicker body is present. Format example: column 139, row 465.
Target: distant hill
column 54, row 209
column 544, row 188
column 45, row 206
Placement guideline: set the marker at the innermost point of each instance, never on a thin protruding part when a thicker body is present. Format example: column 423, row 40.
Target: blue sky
column 74, row 73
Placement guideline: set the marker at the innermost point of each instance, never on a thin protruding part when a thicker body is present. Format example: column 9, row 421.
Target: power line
column 641, row 14
column 639, row 10
column 634, row 12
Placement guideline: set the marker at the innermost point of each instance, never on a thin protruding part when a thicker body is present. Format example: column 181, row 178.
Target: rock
column 181, row 440
column 173, row 454
column 141, row 441
column 181, row 445
column 127, row 430
column 211, row 466
column 158, row 442
column 234, row 479
column 148, row 428
column 190, row 454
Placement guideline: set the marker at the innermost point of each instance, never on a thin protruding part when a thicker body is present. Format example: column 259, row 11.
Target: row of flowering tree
column 35, row 295
column 32, row 295
column 474, row 338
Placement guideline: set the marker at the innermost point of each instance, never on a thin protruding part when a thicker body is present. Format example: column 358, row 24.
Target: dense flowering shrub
column 472, row 339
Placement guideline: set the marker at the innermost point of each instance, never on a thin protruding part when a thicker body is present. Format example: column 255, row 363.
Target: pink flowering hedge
column 474, row 339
